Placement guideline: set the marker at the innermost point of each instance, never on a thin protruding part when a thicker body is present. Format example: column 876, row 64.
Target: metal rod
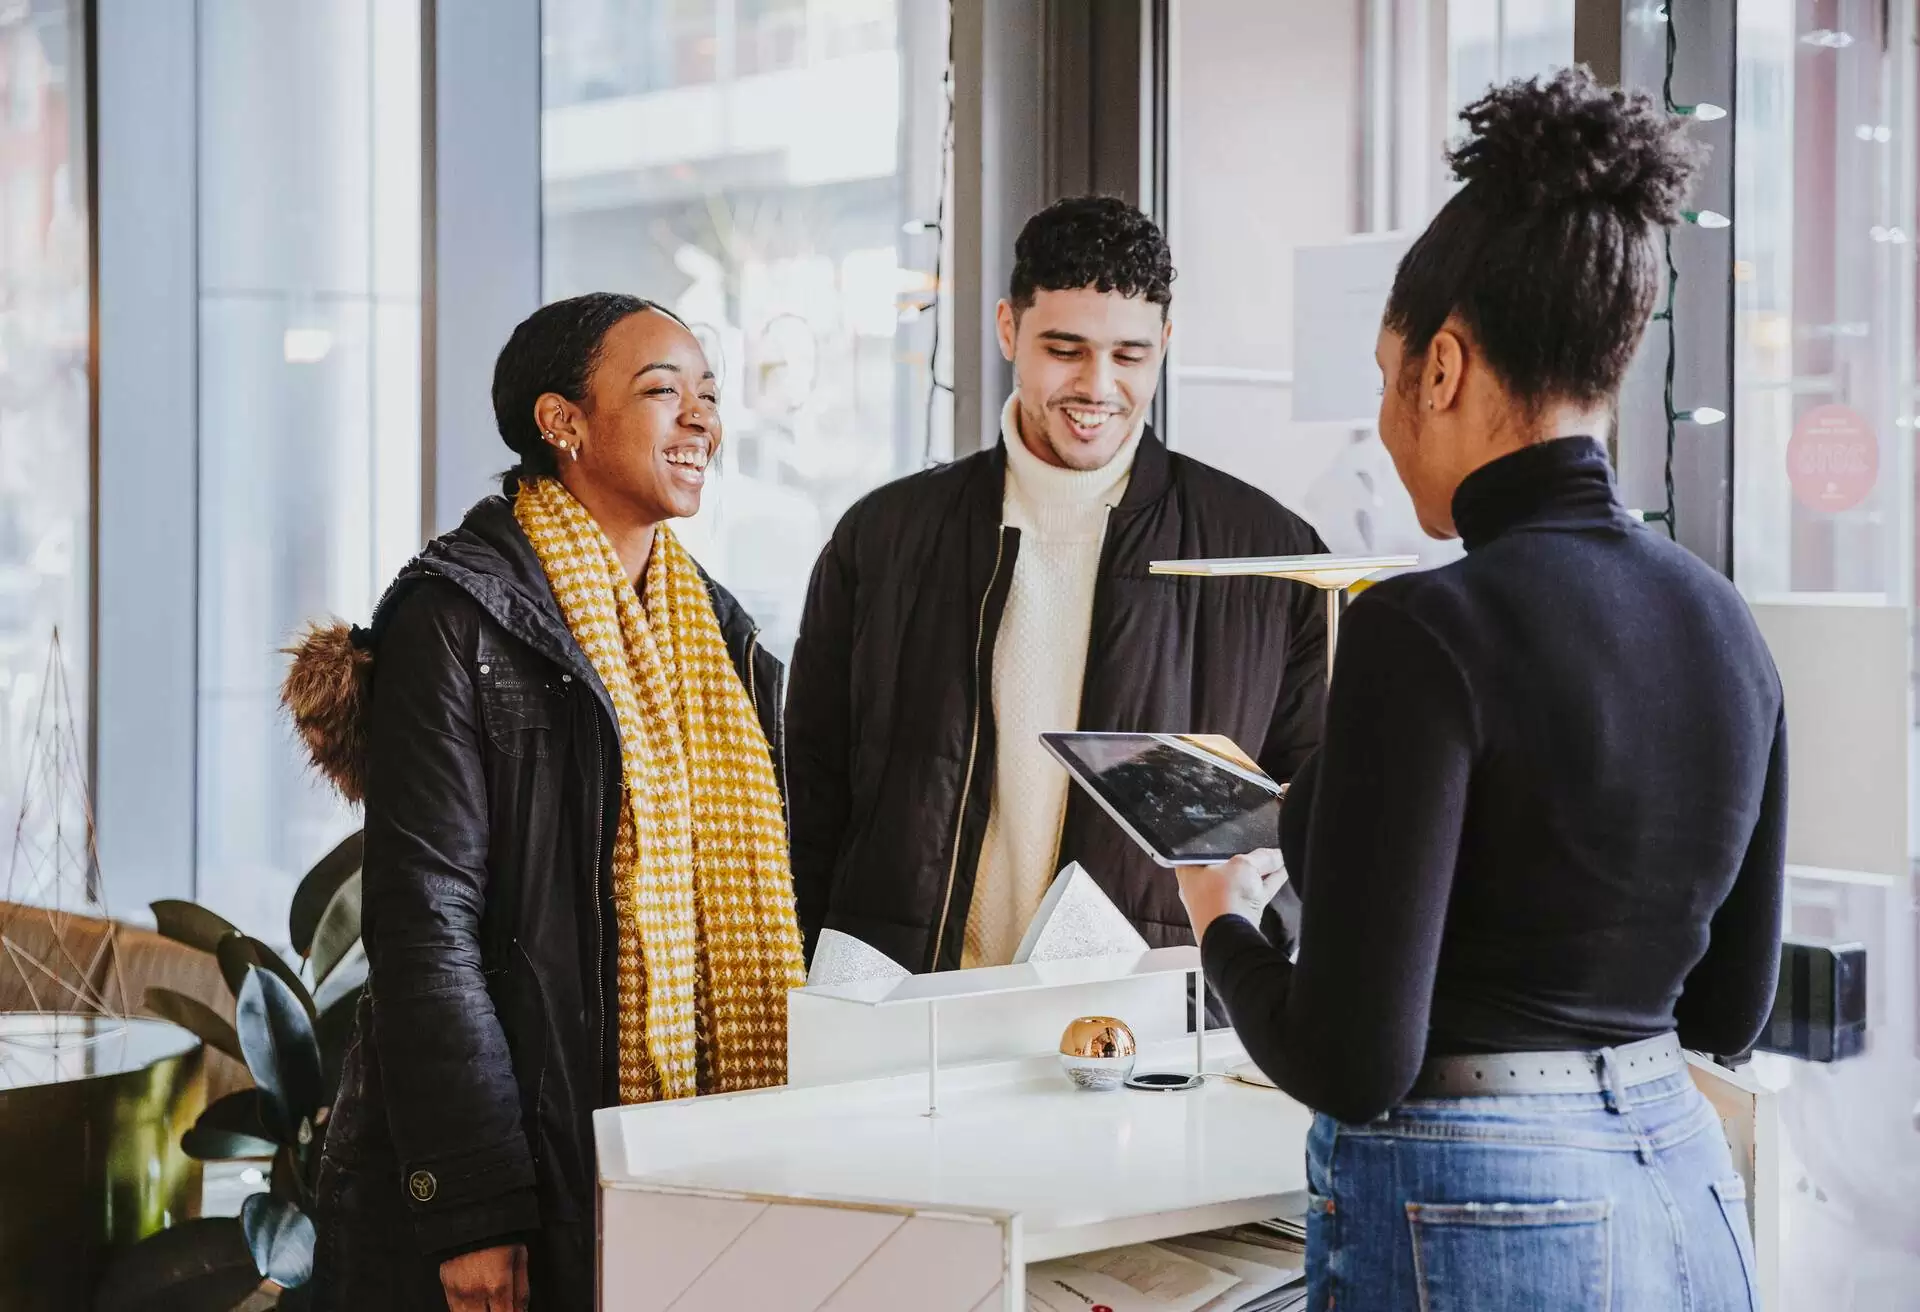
column 933, row 1059
column 1199, row 1023
column 1336, row 597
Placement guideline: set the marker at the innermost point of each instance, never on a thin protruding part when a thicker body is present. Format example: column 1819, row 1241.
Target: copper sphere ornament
column 1097, row 1053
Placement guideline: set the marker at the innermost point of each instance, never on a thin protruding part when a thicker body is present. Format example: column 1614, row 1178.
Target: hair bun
column 1567, row 140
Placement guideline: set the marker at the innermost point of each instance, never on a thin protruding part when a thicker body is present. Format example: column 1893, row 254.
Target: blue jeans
column 1543, row 1201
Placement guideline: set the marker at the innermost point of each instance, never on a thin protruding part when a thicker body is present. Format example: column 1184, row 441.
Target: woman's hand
column 491, row 1280
column 1240, row 887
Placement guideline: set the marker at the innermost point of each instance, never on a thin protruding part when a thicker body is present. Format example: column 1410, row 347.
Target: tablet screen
column 1186, row 798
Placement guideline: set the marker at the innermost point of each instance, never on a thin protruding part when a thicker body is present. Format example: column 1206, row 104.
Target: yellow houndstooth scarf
column 703, row 894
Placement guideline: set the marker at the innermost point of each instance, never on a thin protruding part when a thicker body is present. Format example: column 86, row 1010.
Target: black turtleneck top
column 1549, row 812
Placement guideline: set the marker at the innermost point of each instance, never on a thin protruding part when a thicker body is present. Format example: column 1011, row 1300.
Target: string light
column 1704, row 415
column 939, row 230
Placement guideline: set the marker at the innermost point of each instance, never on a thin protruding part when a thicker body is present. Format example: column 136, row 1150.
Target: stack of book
column 1247, row 1268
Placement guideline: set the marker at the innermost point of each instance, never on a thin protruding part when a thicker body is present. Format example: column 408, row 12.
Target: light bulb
column 1702, row 415
column 914, row 227
column 1707, row 218
column 1703, row 111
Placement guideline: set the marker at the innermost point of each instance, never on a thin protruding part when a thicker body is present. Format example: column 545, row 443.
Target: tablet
column 1188, row 799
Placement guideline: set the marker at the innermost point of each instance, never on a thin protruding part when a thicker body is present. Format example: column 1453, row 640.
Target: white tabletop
column 1084, row 1170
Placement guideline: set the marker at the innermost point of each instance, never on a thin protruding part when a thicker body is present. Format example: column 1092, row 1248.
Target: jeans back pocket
column 1732, row 1196
column 1512, row 1255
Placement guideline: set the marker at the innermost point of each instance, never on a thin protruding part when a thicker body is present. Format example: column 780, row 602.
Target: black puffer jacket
column 890, row 727
column 492, row 780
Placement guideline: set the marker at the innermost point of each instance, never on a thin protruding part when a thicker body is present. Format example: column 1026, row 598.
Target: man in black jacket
column 958, row 613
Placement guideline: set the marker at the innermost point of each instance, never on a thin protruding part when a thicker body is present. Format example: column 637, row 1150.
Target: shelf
column 951, row 985
column 1328, row 572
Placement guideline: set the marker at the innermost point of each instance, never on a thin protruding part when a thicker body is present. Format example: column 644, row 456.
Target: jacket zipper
column 599, row 915
column 753, row 685
column 973, row 746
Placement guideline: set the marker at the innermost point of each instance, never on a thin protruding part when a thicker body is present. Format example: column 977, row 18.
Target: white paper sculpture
column 1076, row 919
column 842, row 959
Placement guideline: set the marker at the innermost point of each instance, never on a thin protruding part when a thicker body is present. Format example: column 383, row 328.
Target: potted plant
column 291, row 1028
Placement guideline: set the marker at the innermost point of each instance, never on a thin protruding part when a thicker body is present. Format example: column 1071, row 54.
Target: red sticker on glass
column 1833, row 459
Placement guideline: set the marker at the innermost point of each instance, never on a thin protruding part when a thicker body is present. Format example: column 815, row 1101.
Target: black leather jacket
column 488, row 1035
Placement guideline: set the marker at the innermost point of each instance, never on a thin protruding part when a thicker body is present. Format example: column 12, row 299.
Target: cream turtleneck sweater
column 1039, row 662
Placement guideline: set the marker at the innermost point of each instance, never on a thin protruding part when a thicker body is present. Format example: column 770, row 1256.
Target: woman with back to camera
column 1542, row 848
column 576, row 890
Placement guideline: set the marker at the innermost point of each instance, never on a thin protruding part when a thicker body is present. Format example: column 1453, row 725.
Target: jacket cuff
column 459, row 1199
column 486, row 1223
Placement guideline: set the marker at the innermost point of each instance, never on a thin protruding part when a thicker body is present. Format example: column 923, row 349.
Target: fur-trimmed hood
column 325, row 694
column 329, row 685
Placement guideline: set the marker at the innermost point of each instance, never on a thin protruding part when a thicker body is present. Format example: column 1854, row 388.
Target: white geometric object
column 1077, row 920
column 842, row 959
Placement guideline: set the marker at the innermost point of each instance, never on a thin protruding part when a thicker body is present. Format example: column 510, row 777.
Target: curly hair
column 1091, row 241
column 1547, row 254
column 554, row 349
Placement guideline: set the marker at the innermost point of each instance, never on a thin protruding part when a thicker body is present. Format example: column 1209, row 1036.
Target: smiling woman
column 637, row 424
column 576, row 884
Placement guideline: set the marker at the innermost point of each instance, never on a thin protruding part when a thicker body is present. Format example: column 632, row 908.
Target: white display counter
column 846, row 1195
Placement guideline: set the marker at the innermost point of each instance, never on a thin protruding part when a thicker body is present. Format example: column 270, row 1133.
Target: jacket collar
column 490, row 559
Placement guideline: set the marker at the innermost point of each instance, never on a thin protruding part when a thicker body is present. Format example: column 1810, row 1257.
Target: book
column 1251, row 1268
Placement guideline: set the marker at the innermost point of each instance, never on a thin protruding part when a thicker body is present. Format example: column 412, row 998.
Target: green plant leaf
column 277, row 1038
column 197, row 1018
column 196, row 1265
column 239, row 952
column 333, row 1032
column 280, row 1237
column 231, row 1128
column 190, row 923
column 317, row 888
column 339, row 929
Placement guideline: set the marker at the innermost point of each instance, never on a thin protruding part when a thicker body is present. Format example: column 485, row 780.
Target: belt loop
column 1613, row 1085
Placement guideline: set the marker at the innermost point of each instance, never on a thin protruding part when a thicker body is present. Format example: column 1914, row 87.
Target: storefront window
column 45, row 441
column 1352, row 85
column 1824, row 535
column 309, row 444
column 757, row 166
